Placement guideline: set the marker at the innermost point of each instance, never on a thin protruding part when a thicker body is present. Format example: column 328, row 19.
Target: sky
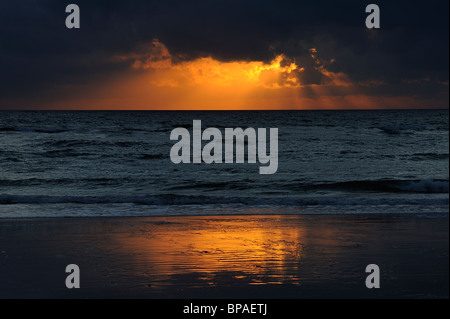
column 223, row 55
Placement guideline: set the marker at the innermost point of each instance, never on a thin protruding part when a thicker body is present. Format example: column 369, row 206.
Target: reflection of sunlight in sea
column 258, row 251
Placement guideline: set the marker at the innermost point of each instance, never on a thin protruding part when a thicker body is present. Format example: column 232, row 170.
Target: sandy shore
column 226, row 257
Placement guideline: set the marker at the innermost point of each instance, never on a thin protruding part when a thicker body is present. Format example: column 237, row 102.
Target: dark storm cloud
column 37, row 51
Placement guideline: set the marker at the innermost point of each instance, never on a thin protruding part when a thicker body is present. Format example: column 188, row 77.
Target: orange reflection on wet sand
column 257, row 251
column 246, row 256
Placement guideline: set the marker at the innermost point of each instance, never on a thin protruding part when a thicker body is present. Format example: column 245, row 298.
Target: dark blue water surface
column 56, row 164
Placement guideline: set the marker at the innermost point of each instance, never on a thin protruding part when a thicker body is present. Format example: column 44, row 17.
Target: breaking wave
column 7, row 199
column 387, row 186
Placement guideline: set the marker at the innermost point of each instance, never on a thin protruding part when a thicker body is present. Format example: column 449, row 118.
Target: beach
column 244, row 256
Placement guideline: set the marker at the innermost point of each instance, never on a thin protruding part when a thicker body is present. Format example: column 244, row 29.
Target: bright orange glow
column 245, row 250
column 156, row 80
column 281, row 72
column 212, row 73
column 206, row 83
column 252, row 251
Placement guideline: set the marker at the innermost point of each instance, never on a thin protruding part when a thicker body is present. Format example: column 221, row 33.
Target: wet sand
column 271, row 257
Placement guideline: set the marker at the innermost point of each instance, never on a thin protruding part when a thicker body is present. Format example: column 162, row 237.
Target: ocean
column 117, row 163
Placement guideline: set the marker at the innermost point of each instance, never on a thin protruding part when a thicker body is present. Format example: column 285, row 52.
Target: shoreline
column 226, row 256
column 423, row 214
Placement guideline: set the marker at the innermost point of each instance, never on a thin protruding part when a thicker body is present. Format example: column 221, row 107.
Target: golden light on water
column 258, row 252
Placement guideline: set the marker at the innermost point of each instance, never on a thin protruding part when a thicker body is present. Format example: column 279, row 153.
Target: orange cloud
column 158, row 80
column 163, row 81
column 206, row 71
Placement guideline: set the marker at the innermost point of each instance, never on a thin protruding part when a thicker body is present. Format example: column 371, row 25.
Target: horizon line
column 219, row 110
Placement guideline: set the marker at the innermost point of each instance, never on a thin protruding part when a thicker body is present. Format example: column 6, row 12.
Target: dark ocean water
column 56, row 164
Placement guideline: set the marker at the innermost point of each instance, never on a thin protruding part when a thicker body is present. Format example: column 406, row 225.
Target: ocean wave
column 72, row 143
column 428, row 156
column 290, row 188
column 388, row 186
column 423, row 186
column 397, row 129
column 33, row 130
column 67, row 181
column 7, row 129
column 151, row 156
column 88, row 143
column 164, row 200
column 64, row 153
column 223, row 185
